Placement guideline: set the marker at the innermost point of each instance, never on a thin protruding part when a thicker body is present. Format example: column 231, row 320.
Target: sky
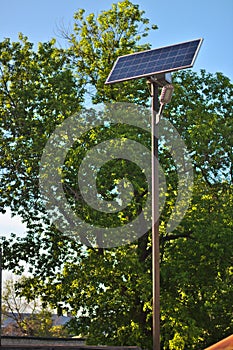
column 178, row 21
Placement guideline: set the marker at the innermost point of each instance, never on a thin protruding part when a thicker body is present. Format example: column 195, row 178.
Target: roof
column 57, row 320
column 225, row 344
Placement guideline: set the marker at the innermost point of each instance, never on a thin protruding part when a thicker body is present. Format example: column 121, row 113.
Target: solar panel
column 155, row 61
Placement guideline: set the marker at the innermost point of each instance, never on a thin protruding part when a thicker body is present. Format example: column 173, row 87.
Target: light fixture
column 165, row 97
column 166, row 94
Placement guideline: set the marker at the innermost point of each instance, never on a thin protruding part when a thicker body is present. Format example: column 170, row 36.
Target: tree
column 110, row 289
column 28, row 318
column 97, row 41
column 38, row 91
column 22, row 194
column 202, row 294
column 113, row 289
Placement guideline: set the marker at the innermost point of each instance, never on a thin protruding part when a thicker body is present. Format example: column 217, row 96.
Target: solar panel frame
column 167, row 59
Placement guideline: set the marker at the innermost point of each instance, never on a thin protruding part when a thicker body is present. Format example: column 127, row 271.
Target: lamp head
column 166, row 94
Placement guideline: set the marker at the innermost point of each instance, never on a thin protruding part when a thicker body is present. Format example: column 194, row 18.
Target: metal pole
column 155, row 218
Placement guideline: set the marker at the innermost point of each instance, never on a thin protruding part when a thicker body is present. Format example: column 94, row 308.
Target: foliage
column 199, row 267
column 97, row 41
column 28, row 317
column 109, row 290
column 38, row 91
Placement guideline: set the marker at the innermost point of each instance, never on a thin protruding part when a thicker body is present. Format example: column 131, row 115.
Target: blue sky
column 178, row 21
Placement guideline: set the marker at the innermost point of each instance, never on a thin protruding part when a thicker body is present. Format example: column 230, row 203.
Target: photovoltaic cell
column 152, row 62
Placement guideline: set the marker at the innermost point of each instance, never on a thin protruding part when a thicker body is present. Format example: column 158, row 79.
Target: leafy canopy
column 110, row 290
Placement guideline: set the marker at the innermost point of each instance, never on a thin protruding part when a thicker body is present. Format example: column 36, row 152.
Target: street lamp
column 155, row 65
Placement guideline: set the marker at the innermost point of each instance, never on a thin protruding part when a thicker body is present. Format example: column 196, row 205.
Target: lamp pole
column 155, row 216
column 157, row 106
